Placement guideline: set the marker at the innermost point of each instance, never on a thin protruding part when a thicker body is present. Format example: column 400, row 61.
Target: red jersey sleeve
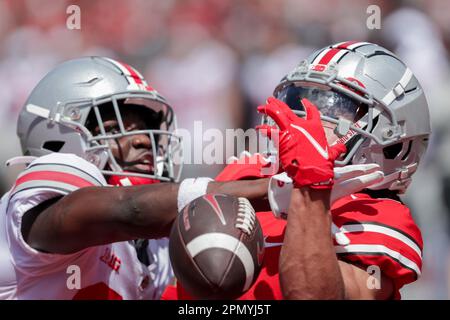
column 382, row 233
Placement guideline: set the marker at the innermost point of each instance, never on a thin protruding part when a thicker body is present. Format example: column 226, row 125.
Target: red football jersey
column 382, row 233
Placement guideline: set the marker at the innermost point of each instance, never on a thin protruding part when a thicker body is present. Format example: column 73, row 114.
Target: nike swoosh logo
column 323, row 152
column 260, row 253
column 271, row 244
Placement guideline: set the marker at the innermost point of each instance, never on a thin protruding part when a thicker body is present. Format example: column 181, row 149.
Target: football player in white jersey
column 65, row 231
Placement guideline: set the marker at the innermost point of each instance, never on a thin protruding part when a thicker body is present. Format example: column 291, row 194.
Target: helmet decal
column 134, row 77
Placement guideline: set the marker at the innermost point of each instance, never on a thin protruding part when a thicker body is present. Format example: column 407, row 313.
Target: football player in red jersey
column 347, row 104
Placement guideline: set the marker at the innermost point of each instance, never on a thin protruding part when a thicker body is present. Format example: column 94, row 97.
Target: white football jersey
column 110, row 271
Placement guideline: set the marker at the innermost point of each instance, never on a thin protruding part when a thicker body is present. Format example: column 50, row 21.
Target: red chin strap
column 130, row 181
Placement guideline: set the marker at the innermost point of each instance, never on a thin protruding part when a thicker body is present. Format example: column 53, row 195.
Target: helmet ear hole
column 391, row 152
column 54, row 146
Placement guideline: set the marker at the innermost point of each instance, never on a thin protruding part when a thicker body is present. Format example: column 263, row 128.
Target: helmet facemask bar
column 163, row 142
column 96, row 149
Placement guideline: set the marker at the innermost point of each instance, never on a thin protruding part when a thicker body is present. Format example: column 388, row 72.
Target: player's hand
column 348, row 180
column 354, row 178
column 247, row 166
column 303, row 148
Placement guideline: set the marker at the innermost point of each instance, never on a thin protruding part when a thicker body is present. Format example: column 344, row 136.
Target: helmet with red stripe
column 375, row 101
column 70, row 100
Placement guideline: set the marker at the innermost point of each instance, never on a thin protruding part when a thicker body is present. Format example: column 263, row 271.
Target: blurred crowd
column 216, row 60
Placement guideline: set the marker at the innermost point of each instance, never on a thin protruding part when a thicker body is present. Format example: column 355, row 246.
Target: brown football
column 216, row 247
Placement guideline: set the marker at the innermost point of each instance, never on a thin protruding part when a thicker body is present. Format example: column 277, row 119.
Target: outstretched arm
column 99, row 215
column 254, row 190
column 309, row 268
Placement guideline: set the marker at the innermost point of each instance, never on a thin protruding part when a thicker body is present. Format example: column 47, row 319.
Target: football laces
column 246, row 216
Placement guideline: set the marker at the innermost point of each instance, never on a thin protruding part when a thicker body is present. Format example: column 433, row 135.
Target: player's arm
column 309, row 268
column 98, row 215
column 254, row 190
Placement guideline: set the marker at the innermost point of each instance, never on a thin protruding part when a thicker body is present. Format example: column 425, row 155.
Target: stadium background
column 216, row 60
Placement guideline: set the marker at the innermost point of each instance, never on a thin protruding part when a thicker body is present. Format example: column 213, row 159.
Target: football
column 216, row 247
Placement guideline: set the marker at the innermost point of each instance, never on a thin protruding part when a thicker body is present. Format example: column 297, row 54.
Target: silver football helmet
column 55, row 116
column 376, row 102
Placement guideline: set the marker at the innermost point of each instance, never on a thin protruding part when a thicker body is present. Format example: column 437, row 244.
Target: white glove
column 354, row 178
column 347, row 180
column 244, row 154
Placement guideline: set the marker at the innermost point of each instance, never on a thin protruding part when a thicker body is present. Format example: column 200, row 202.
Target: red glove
column 303, row 148
column 247, row 167
column 124, row 181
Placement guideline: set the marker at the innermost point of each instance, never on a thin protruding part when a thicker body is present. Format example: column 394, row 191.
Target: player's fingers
column 368, row 180
column 232, row 159
column 344, row 188
column 358, row 183
column 245, row 154
column 267, row 130
column 354, row 170
column 278, row 115
column 312, row 113
column 282, row 177
column 336, row 150
column 284, row 108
